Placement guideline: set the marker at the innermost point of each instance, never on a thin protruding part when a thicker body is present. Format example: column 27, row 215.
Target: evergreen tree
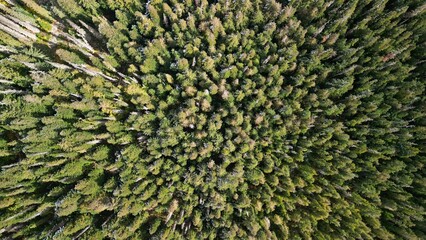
column 261, row 119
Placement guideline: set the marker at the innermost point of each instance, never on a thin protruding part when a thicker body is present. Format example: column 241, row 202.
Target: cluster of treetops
column 228, row 119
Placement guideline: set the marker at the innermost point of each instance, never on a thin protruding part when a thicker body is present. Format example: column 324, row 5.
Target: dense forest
column 228, row 119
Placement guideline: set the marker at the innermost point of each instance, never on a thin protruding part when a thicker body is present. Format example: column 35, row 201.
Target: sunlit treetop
column 201, row 119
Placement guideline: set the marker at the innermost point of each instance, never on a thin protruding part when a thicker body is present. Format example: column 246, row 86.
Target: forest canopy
column 228, row 119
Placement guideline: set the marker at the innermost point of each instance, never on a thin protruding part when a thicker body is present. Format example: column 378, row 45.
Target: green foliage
column 201, row 119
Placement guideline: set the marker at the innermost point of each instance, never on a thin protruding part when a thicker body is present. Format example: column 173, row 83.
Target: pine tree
column 214, row 120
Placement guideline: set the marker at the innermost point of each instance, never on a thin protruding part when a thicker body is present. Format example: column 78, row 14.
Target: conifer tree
column 260, row 119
